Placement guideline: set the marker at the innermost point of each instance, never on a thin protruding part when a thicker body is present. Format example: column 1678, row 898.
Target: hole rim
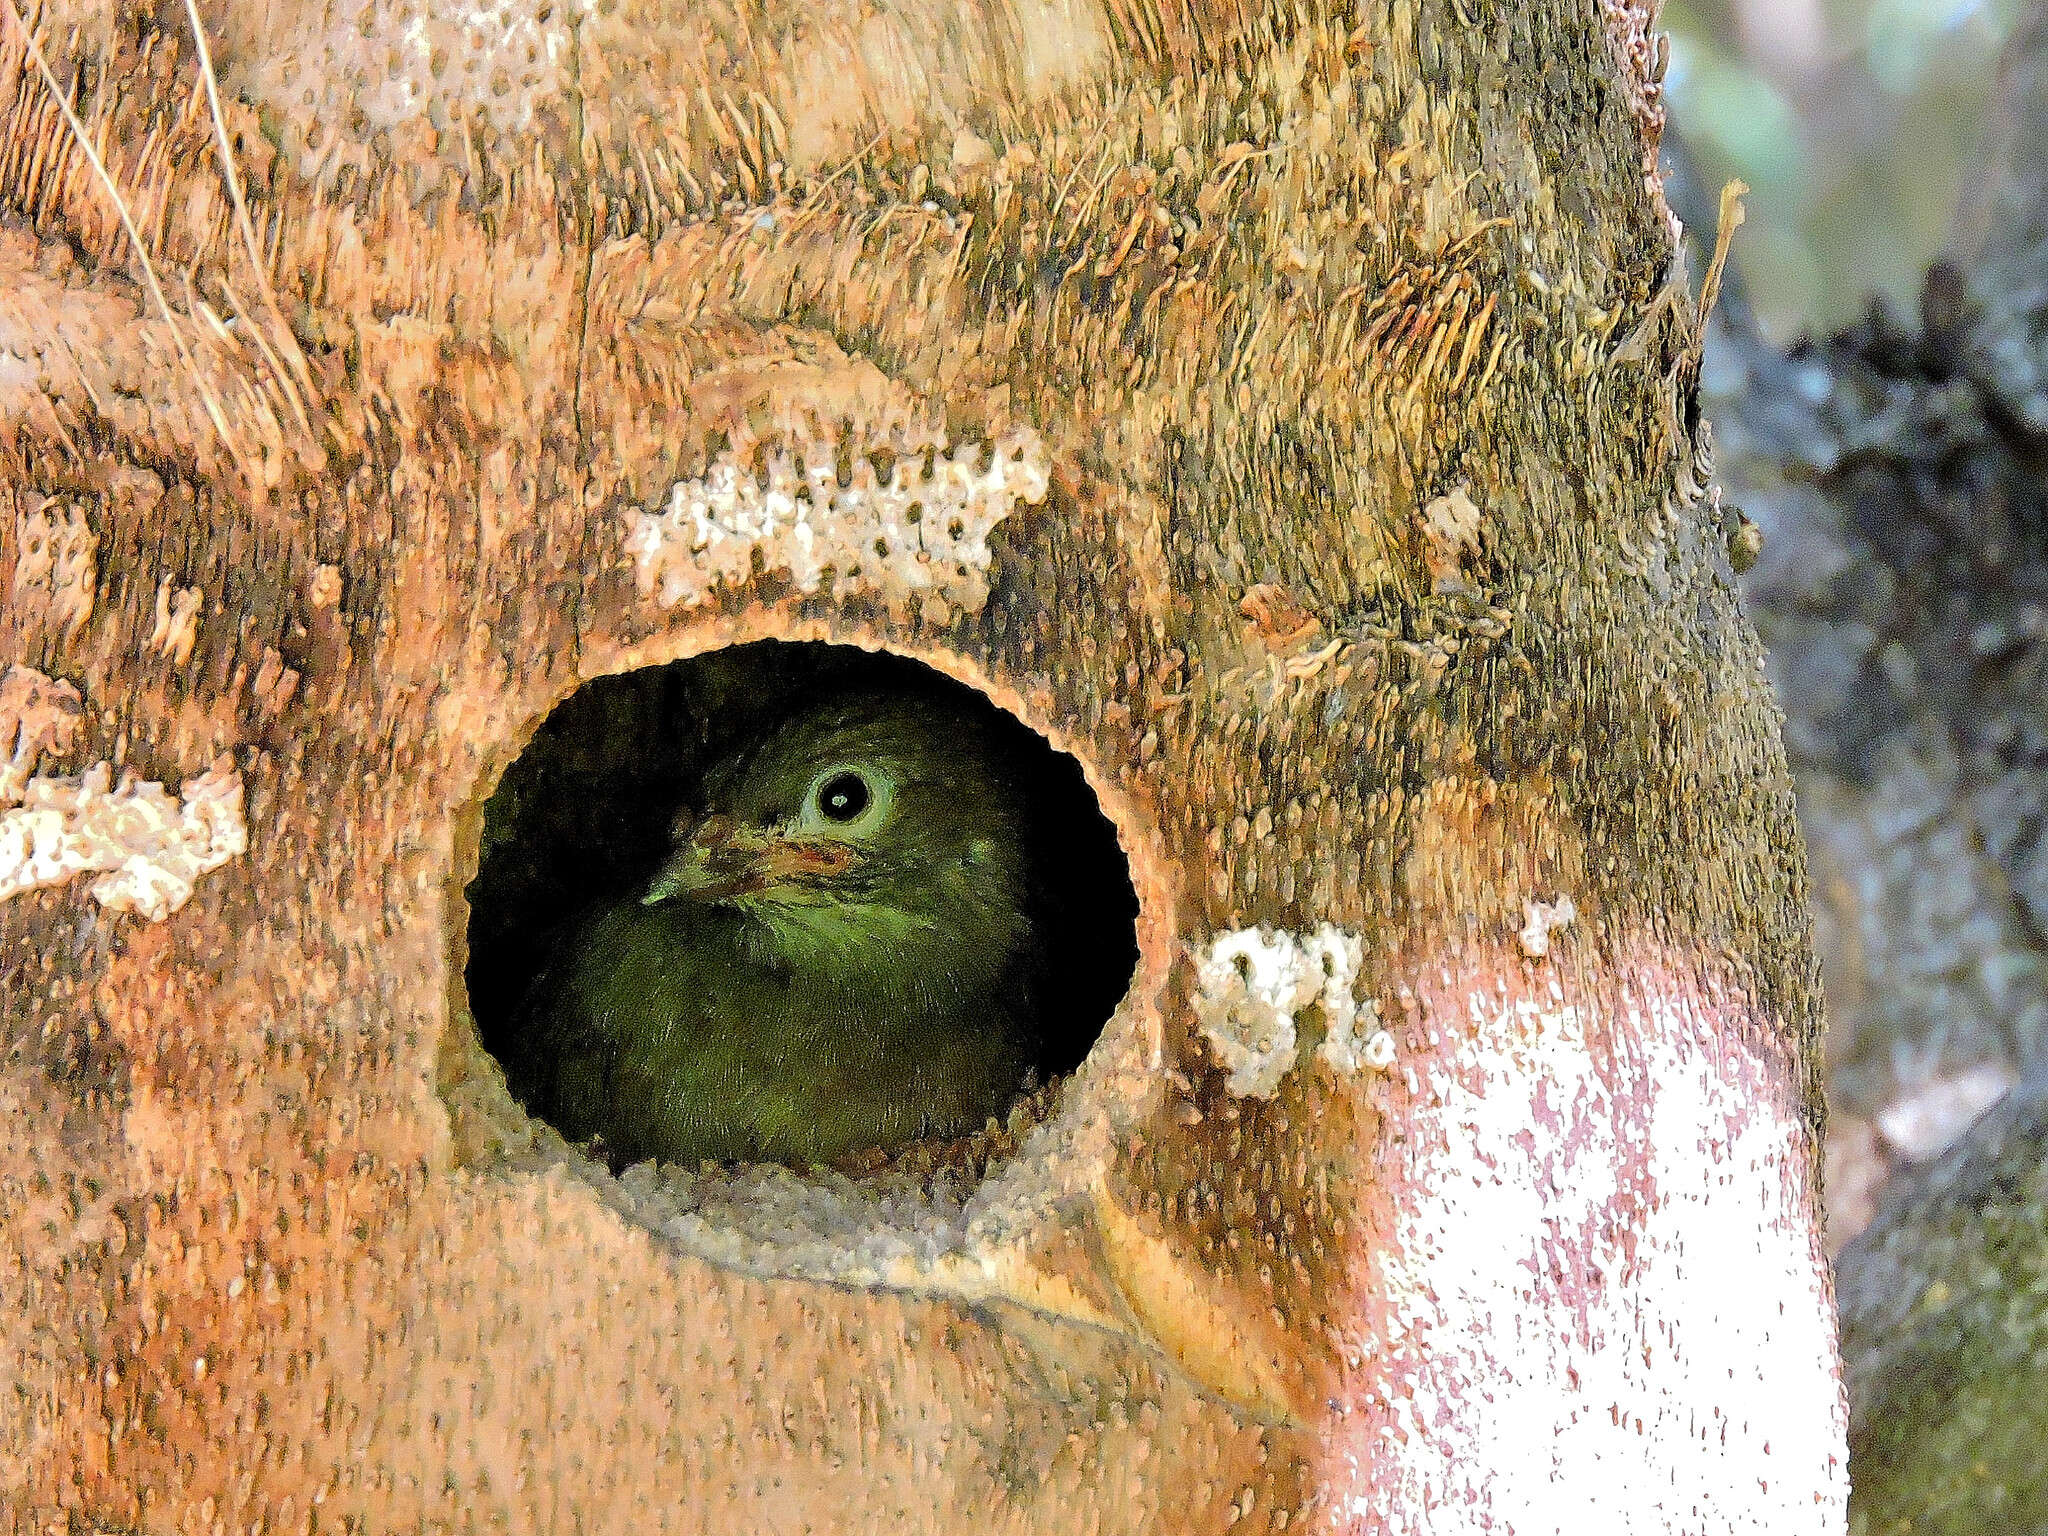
column 937, row 1234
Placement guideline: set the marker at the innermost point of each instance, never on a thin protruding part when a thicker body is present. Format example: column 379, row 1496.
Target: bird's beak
column 721, row 859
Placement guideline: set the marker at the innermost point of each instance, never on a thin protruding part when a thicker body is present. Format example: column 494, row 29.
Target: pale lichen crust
column 55, row 567
column 38, row 714
column 1253, row 985
column 148, row 848
column 920, row 534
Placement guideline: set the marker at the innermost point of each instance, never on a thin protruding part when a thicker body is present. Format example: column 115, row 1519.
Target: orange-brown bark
column 1369, row 322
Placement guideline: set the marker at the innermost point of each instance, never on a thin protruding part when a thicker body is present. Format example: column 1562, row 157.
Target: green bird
column 836, row 956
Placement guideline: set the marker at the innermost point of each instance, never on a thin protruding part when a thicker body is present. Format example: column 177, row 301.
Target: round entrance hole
column 791, row 903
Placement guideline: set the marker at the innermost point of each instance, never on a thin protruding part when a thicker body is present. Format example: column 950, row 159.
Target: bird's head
column 866, row 816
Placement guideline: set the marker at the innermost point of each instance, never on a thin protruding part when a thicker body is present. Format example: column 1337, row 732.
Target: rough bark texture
column 1315, row 401
column 1944, row 1330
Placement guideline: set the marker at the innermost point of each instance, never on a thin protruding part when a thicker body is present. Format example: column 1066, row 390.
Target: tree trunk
column 1323, row 468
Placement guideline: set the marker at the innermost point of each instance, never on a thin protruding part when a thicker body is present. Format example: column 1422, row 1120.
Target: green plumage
column 836, row 957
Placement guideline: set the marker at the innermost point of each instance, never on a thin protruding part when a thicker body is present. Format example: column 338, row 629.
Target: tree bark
column 1943, row 1330
column 1314, row 397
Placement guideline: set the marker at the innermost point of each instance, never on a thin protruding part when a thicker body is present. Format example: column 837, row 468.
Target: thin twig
column 35, row 53
column 242, row 220
column 220, row 138
column 1730, row 220
column 277, row 366
column 848, row 164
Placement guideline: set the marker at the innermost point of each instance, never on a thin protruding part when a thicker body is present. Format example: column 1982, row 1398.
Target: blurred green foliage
column 1854, row 122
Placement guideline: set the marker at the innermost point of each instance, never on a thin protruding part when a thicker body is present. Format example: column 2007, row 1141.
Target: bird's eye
column 843, row 797
column 847, row 800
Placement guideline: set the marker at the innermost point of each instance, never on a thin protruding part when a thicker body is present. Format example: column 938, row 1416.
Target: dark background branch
column 1899, row 473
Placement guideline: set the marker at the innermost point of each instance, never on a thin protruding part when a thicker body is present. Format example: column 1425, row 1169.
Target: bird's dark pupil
column 845, row 797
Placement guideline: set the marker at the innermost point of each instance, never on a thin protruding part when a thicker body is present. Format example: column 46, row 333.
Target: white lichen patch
column 1344, row 1050
column 1452, row 522
column 921, row 535
column 323, row 587
column 1253, row 984
column 148, row 848
column 1541, row 920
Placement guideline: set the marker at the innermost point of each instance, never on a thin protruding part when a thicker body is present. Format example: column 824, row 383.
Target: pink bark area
column 1588, row 1293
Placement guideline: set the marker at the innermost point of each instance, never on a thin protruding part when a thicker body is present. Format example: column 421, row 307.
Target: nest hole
column 794, row 903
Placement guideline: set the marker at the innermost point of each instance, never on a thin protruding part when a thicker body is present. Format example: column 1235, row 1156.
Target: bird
column 836, row 954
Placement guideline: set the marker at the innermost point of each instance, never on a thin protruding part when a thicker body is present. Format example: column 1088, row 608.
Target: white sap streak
column 1609, row 1310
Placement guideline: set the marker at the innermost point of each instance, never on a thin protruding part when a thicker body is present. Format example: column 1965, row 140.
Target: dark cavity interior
column 581, row 826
